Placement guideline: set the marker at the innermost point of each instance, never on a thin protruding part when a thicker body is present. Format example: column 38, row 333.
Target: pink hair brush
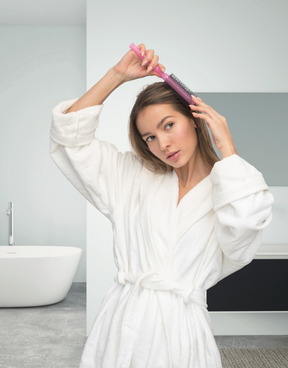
column 179, row 87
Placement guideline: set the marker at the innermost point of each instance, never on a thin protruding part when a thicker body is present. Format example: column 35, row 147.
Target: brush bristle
column 181, row 89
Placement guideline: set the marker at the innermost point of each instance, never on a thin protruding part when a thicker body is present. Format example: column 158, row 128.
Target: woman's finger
column 200, row 103
column 208, row 119
column 209, row 115
column 161, row 67
column 153, row 63
column 204, row 112
column 148, row 57
column 142, row 49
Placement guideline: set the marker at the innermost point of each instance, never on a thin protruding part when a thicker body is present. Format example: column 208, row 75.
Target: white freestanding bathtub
column 36, row 275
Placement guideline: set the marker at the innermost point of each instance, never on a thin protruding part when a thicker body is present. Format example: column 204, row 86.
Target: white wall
column 213, row 46
column 39, row 67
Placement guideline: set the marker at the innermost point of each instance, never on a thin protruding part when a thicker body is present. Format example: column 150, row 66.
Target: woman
column 182, row 219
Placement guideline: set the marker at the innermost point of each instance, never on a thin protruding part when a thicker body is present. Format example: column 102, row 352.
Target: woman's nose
column 164, row 143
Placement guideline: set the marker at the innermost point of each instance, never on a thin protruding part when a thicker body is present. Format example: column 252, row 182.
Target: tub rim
column 66, row 251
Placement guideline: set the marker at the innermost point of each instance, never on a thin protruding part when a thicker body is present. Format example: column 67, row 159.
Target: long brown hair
column 161, row 93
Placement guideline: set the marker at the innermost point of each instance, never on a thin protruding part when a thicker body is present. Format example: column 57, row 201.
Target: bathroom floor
column 45, row 337
column 54, row 336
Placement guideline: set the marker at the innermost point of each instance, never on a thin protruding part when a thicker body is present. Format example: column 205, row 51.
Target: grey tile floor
column 54, row 336
column 44, row 337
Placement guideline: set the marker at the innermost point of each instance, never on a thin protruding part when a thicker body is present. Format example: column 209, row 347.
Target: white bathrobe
column 155, row 314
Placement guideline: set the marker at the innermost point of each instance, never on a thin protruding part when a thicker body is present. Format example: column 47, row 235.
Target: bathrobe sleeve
column 102, row 175
column 243, row 207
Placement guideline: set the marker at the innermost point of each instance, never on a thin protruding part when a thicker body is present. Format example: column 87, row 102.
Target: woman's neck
column 191, row 174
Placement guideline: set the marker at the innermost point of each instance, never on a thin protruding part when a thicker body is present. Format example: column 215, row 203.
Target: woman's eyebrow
column 158, row 125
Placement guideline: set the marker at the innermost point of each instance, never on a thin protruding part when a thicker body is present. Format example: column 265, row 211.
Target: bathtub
column 36, row 275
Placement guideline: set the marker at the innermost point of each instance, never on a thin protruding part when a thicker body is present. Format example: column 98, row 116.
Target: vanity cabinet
column 262, row 285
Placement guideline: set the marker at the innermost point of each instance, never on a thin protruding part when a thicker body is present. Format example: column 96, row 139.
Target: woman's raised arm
column 128, row 68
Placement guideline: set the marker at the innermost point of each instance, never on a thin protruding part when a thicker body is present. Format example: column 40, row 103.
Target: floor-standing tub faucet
column 10, row 213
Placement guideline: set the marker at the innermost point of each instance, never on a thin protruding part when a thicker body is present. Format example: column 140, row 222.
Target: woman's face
column 170, row 135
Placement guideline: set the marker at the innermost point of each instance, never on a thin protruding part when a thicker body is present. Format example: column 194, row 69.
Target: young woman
column 182, row 218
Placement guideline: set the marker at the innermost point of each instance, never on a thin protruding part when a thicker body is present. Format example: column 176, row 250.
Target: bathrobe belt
column 154, row 281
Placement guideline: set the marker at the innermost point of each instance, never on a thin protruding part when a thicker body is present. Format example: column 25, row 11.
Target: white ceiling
column 43, row 12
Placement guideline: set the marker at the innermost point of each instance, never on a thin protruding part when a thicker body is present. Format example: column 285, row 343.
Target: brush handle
column 156, row 69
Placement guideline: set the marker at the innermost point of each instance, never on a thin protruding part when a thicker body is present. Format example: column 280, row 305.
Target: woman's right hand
column 131, row 66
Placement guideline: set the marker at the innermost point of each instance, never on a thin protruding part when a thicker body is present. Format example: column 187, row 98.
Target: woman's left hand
column 217, row 124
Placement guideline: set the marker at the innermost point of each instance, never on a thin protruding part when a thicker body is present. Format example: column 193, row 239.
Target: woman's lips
column 173, row 156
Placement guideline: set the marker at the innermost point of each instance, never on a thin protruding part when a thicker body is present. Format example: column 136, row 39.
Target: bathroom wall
column 39, row 67
column 214, row 46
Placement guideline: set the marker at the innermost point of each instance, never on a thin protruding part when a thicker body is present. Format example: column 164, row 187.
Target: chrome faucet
column 10, row 213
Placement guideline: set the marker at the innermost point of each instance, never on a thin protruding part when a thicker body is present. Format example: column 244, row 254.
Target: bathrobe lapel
column 159, row 217
column 166, row 221
column 193, row 206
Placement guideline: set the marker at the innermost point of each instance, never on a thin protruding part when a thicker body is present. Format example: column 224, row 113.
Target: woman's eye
column 150, row 138
column 169, row 125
